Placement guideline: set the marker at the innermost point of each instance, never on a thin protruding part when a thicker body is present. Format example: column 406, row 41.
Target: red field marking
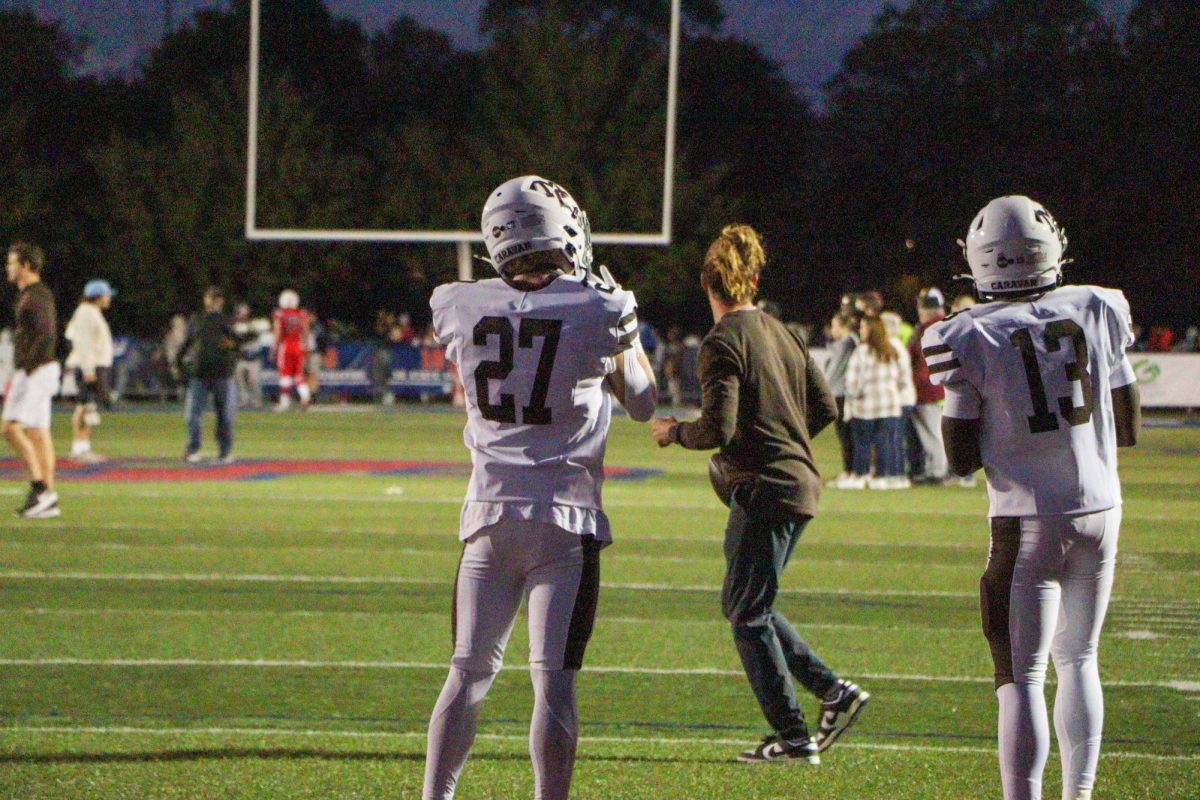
column 137, row 470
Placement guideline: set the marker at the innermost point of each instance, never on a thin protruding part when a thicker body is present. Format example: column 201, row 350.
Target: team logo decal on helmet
column 532, row 214
column 1014, row 246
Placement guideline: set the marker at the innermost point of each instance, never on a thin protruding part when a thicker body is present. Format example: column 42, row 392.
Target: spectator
column 30, row 394
column 874, row 383
column 91, row 358
column 210, row 353
column 381, row 360
column 868, row 303
column 1190, row 343
column 173, row 376
column 318, row 342
column 927, row 416
column 1161, row 339
column 843, row 331
column 248, row 373
column 673, row 364
column 893, row 325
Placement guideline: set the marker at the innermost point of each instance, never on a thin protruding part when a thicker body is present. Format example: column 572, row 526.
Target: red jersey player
column 291, row 335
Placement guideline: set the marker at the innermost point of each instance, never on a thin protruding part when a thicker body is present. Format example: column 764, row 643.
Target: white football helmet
column 289, row 299
column 1014, row 246
column 531, row 214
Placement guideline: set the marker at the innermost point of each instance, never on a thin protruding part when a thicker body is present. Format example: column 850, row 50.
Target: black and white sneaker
column 839, row 710
column 31, row 500
column 774, row 750
column 43, row 506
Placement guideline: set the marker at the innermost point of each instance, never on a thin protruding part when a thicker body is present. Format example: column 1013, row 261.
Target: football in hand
column 719, row 478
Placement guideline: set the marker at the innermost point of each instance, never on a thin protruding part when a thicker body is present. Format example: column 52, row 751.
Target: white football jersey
column 533, row 366
column 1039, row 375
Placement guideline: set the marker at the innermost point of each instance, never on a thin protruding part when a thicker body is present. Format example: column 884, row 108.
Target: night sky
column 807, row 37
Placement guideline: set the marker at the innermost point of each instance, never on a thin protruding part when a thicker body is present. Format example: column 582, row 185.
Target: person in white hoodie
column 91, row 358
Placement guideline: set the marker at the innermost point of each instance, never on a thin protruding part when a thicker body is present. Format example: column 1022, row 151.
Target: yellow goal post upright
column 462, row 238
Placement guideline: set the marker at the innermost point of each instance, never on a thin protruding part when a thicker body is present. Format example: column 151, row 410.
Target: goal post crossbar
column 466, row 237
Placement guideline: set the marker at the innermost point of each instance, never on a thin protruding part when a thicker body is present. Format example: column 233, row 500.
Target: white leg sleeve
column 641, row 393
column 1079, row 704
column 1033, row 615
column 304, row 392
column 1024, row 740
column 452, row 730
column 553, row 732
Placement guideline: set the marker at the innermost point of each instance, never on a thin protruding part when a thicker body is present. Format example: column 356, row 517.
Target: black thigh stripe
column 995, row 594
column 628, row 318
column 945, row 366
column 454, row 603
column 937, row 350
column 583, row 616
column 627, row 338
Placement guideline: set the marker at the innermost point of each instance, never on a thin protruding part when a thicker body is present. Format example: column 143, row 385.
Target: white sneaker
column 852, row 482
column 91, row 457
column 45, row 506
column 841, row 477
column 193, row 458
column 884, row 482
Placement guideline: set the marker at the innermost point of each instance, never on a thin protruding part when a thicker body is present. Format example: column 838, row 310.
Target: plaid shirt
column 873, row 387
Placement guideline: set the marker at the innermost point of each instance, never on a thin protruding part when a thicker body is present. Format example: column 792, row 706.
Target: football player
column 291, row 337
column 1040, row 394
column 541, row 349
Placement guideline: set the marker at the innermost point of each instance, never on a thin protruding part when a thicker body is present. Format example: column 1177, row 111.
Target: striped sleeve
column 945, row 365
column 623, row 332
column 945, row 348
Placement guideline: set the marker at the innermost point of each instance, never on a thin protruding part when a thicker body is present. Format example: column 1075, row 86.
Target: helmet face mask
column 1014, row 247
column 529, row 215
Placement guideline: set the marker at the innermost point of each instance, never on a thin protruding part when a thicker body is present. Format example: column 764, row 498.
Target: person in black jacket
column 763, row 400
column 28, row 399
column 210, row 355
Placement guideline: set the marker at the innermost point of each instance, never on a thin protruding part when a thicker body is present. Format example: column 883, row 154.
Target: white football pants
column 1059, row 578
column 560, row 574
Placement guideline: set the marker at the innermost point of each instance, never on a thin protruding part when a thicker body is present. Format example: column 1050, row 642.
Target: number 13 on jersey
column 501, row 329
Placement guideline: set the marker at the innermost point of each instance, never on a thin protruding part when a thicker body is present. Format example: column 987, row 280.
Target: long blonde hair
column 733, row 263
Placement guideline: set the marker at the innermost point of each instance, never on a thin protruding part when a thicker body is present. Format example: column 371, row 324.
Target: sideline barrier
column 1166, row 380
column 357, row 370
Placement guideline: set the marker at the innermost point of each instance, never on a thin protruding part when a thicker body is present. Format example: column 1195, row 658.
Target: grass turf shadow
column 292, row 754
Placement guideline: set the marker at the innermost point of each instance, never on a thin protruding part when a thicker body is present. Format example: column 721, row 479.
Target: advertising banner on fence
column 1168, row 380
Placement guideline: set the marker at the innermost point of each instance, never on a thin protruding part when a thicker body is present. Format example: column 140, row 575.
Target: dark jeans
column 842, row 426
column 224, row 395
column 880, row 435
column 759, row 540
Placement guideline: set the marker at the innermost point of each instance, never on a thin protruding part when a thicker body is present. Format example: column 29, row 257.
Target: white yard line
column 1186, row 686
column 219, row 577
column 223, row 577
column 499, row 737
column 79, row 490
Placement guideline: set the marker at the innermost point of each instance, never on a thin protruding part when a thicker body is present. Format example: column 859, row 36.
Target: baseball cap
column 932, row 298
column 98, row 288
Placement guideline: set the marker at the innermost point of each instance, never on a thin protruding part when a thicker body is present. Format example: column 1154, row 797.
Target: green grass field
column 287, row 638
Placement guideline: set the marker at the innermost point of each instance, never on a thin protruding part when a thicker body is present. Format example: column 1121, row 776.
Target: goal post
column 462, row 238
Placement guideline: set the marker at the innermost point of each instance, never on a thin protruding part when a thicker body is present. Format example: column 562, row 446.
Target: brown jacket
column 764, row 400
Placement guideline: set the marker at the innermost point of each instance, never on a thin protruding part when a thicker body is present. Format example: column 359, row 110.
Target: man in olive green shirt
column 763, row 400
